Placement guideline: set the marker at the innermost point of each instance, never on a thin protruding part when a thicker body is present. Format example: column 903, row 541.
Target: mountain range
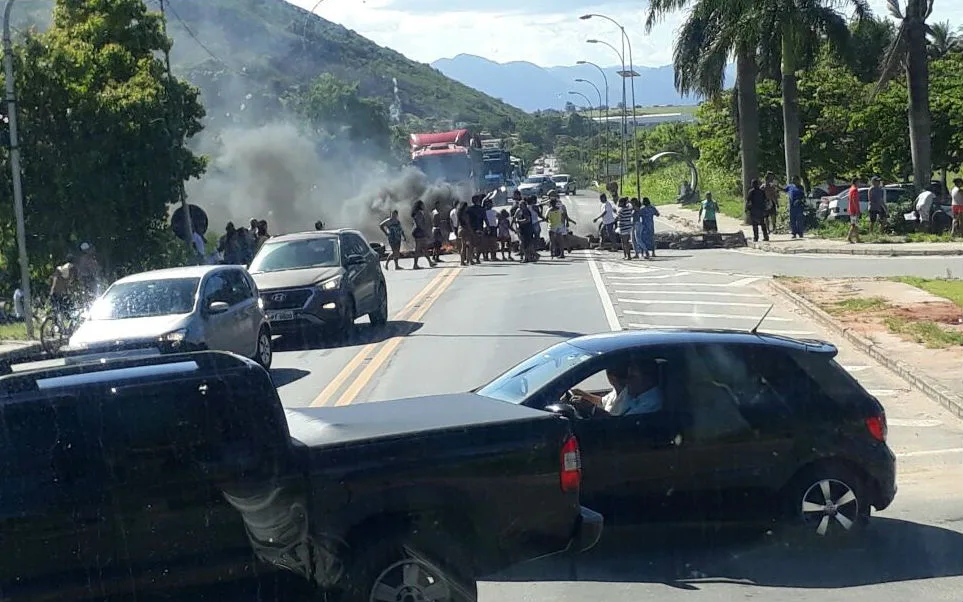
column 532, row 88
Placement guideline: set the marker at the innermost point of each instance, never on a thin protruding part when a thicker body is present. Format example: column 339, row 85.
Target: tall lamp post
column 599, row 130
column 621, row 56
column 15, row 168
column 604, row 121
column 632, row 74
column 589, row 102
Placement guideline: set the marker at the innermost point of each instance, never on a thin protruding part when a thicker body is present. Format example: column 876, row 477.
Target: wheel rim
column 829, row 506
column 264, row 348
column 410, row 580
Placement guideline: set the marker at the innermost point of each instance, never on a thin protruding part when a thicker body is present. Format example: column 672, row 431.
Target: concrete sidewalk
column 784, row 243
column 14, row 351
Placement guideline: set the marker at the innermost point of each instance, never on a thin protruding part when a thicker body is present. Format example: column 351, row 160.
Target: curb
column 26, row 351
column 855, row 250
column 938, row 393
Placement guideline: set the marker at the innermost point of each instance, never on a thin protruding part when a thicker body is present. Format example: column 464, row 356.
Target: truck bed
column 366, row 421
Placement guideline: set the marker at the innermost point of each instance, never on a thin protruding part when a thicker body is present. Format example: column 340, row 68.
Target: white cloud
column 544, row 32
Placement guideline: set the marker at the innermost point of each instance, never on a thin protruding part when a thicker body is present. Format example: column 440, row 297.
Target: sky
column 544, row 32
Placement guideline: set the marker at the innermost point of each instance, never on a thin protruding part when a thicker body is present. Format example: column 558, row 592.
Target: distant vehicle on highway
column 729, row 426
column 536, row 185
column 564, row 183
column 174, row 311
column 148, row 476
column 321, row 281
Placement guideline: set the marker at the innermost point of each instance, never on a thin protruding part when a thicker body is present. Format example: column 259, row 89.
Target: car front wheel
column 379, row 317
column 264, row 354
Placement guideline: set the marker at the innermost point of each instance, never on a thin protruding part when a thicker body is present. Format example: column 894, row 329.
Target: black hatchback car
column 320, row 281
column 721, row 426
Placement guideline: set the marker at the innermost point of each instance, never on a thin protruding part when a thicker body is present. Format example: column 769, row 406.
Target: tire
column 51, row 335
column 345, row 326
column 398, row 569
column 379, row 317
column 263, row 353
column 827, row 502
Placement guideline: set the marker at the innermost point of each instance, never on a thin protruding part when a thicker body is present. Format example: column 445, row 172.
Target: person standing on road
column 476, row 221
column 797, row 207
column 707, row 214
column 956, row 198
column 608, row 219
column 262, row 235
column 491, row 231
column 756, row 208
column 437, row 234
column 772, row 200
column 637, row 245
column 877, row 204
column 526, row 236
column 464, row 233
column 924, row 207
column 505, row 234
column 854, row 212
column 648, row 213
column 395, row 233
column 420, row 234
column 625, row 226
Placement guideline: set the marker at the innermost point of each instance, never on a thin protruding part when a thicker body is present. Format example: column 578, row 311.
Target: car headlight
column 175, row 337
column 503, row 189
column 330, row 284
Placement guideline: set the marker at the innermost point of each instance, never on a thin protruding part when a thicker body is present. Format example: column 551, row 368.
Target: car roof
column 561, row 175
column 609, row 342
column 190, row 271
column 311, row 234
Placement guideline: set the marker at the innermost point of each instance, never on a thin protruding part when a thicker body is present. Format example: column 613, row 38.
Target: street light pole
column 632, row 74
column 621, row 56
column 599, row 93
column 11, row 91
column 604, row 121
column 586, row 100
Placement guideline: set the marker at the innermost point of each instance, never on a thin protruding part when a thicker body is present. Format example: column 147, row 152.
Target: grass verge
column 662, row 186
column 838, row 230
column 929, row 334
column 13, row 332
column 941, row 287
column 857, row 304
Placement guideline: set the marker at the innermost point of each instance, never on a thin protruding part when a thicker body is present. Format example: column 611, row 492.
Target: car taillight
column 876, row 425
column 571, row 466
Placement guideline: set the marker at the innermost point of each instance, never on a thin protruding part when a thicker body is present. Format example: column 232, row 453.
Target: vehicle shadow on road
column 363, row 334
column 286, row 376
column 890, row 551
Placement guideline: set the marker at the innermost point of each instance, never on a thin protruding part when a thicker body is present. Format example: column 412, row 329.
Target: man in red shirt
column 853, row 212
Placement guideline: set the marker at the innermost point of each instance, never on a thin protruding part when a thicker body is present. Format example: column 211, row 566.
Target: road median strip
column 369, row 354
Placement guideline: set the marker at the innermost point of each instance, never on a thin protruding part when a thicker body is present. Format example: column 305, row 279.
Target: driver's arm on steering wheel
column 589, row 397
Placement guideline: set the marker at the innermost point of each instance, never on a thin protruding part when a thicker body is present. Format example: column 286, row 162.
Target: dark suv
column 320, row 281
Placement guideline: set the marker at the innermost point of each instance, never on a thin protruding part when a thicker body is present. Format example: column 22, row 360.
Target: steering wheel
column 583, row 409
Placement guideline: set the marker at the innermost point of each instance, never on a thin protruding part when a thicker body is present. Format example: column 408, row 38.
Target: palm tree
column 796, row 29
column 714, row 31
column 908, row 51
column 943, row 40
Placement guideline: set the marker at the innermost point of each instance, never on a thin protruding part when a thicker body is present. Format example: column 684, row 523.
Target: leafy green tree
column 943, row 40
column 104, row 133
column 871, row 37
column 336, row 108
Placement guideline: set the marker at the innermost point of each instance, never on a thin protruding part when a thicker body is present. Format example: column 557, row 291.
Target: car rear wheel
column 828, row 502
column 379, row 317
column 264, row 354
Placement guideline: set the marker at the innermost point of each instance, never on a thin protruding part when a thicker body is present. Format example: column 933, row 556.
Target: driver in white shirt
column 635, row 390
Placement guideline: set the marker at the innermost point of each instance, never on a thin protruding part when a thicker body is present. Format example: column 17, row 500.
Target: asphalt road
column 455, row 328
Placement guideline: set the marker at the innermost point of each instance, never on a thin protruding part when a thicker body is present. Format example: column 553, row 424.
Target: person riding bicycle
column 61, row 285
column 88, row 273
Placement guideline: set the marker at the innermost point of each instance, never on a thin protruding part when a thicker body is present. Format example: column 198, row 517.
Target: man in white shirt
column 635, row 389
column 608, row 219
column 924, row 208
column 957, row 206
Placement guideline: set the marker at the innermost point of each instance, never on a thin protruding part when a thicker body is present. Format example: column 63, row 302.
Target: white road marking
column 654, row 277
column 609, row 267
column 786, row 333
column 931, row 452
column 611, row 317
column 706, row 293
column 695, row 315
column 743, row 282
column 856, row 368
column 913, row 423
column 886, row 392
column 696, row 302
column 664, row 284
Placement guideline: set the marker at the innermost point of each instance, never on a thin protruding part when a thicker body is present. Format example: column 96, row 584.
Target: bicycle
column 58, row 326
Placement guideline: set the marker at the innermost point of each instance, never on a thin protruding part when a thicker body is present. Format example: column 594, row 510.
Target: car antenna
column 759, row 323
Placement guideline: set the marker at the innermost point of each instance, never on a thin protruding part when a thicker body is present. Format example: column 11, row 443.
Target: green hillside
column 255, row 50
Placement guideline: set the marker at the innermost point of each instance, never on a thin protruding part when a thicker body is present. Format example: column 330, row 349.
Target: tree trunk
column 790, row 106
column 748, row 103
column 918, row 82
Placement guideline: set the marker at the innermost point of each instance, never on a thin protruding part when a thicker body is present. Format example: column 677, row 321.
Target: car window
column 351, row 245
column 359, row 245
column 828, row 378
column 240, row 289
column 730, row 390
column 216, row 289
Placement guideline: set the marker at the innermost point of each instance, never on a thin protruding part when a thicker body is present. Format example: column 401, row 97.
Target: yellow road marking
column 324, row 397
column 369, row 371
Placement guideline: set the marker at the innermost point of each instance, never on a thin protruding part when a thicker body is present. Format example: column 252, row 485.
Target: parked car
column 751, row 427
column 537, row 186
column 895, row 196
column 146, row 475
column 564, row 183
column 320, row 281
column 174, row 311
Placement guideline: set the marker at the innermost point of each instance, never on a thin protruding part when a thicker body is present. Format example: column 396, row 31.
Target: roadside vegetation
column 941, row 287
column 13, row 332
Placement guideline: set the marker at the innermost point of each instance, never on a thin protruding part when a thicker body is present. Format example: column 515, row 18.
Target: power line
column 196, row 39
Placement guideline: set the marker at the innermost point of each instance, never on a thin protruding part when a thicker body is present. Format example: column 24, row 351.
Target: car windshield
column 534, row 373
column 560, row 179
column 533, row 180
column 146, row 298
column 297, row 255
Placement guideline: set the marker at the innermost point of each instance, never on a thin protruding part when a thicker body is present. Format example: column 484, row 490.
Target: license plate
column 280, row 316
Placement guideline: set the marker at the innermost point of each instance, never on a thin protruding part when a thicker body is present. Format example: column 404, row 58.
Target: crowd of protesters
column 237, row 246
column 631, row 225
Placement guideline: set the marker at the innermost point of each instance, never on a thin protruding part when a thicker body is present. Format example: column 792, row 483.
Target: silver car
column 175, row 311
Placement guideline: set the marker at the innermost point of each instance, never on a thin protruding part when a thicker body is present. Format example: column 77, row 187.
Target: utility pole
column 11, row 91
column 188, row 224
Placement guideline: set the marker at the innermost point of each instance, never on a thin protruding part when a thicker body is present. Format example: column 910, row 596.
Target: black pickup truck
column 140, row 476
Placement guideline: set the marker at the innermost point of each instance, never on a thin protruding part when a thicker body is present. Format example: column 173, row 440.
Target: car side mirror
column 563, row 409
column 356, row 259
column 217, row 307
